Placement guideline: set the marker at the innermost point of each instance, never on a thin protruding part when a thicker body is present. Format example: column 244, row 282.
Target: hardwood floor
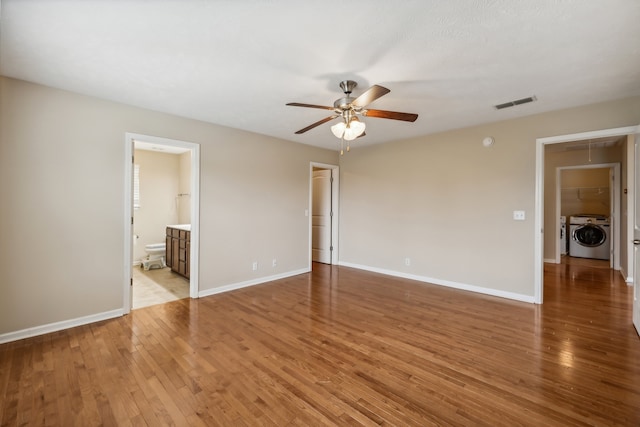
column 341, row 346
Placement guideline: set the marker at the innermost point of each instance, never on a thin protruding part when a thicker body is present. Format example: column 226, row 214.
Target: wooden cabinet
column 178, row 250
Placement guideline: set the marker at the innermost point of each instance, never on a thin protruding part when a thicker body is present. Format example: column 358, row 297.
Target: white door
column 321, row 216
column 636, row 236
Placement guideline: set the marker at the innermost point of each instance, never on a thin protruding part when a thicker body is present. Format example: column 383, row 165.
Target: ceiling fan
column 350, row 108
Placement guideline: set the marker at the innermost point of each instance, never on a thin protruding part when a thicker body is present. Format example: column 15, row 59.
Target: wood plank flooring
column 341, row 346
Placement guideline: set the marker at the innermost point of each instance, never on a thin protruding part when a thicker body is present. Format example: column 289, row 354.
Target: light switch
column 518, row 215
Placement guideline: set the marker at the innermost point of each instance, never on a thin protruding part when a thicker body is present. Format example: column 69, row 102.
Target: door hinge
column 131, row 281
column 331, row 214
column 131, row 220
column 330, row 248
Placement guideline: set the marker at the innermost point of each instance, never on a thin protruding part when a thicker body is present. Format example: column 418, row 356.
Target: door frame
column 335, row 200
column 538, row 229
column 633, row 208
column 614, row 191
column 129, row 147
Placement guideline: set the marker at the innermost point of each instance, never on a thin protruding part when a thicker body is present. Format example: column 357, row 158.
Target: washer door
column 589, row 235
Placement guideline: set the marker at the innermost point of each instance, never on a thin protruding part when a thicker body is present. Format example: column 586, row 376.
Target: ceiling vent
column 516, row 102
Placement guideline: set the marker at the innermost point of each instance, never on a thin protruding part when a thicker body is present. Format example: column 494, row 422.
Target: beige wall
column 159, row 186
column 585, row 191
column 447, row 202
column 63, row 212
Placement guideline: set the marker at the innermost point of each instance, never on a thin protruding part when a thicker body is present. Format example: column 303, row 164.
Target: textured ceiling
column 237, row 63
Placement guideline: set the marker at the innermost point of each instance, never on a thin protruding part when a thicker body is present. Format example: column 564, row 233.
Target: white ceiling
column 237, row 63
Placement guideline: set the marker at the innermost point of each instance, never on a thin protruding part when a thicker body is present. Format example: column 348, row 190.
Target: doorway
column 323, row 208
column 589, row 189
column 185, row 198
column 539, row 195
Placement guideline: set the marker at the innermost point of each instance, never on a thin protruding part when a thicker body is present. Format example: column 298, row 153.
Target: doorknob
column 636, row 241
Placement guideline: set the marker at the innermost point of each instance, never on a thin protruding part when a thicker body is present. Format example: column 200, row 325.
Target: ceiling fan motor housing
column 343, row 103
column 347, row 86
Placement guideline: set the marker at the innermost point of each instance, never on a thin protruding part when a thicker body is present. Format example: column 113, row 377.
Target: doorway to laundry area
column 589, row 192
column 547, row 224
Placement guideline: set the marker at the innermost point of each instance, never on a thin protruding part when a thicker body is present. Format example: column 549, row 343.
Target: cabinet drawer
column 175, row 232
column 184, row 234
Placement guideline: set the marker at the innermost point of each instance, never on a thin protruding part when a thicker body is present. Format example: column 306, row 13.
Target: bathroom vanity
column 179, row 248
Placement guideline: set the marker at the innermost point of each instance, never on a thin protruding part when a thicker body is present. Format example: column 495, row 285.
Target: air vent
column 516, row 102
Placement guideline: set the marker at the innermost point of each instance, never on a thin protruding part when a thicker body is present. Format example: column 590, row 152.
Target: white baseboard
column 447, row 283
column 66, row 324
column 627, row 278
column 550, row 260
column 252, row 282
column 58, row 326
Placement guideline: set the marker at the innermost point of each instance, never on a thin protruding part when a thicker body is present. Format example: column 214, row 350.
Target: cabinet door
column 168, row 251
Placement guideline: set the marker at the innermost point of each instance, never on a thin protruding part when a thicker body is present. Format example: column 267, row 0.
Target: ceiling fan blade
column 407, row 117
column 297, row 104
column 318, row 123
column 370, row 95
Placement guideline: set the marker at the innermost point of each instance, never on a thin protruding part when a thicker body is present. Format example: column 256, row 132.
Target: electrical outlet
column 518, row 215
column 407, row 262
column 254, row 267
column 274, row 263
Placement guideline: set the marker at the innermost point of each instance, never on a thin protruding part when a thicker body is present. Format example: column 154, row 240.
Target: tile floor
column 157, row 286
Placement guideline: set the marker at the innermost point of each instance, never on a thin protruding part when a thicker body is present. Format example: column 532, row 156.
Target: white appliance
column 564, row 242
column 589, row 236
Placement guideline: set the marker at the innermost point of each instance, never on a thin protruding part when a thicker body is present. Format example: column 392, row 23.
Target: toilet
column 155, row 256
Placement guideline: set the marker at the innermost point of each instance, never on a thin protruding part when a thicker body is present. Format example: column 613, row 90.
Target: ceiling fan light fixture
column 338, row 129
column 350, row 131
column 356, row 127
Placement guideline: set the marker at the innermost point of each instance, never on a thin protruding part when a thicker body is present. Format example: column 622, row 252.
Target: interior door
column 636, row 236
column 321, row 216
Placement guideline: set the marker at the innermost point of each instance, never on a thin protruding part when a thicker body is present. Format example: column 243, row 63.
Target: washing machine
column 589, row 236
